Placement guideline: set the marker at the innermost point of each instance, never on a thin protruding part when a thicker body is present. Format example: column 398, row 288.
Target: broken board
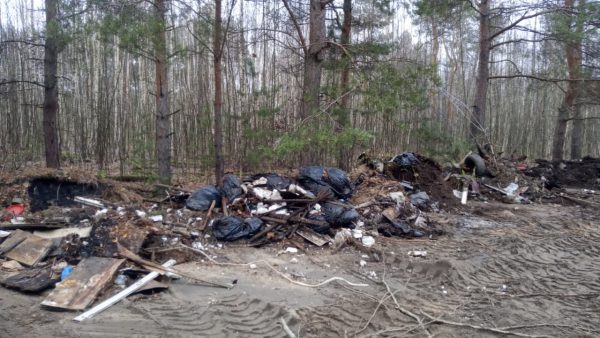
column 82, row 286
column 16, row 238
column 30, row 251
column 313, row 237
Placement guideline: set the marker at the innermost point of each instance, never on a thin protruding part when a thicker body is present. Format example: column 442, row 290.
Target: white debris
column 18, row 220
column 356, row 233
column 140, row 213
column 294, row 260
column 197, row 245
column 360, row 224
column 253, row 266
column 291, row 250
column 373, row 274
column 100, row 212
column 4, row 233
column 260, row 181
column 341, row 237
column 421, row 222
column 296, row 189
column 368, row 241
column 362, row 263
column 511, row 189
column 398, row 197
column 267, row 195
column 156, row 218
column 417, row 253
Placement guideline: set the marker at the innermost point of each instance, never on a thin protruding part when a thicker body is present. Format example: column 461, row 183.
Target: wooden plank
column 313, row 237
column 82, row 286
column 121, row 295
column 31, row 251
column 16, row 238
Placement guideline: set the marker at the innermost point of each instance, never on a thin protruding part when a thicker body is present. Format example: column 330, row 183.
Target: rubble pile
column 82, row 237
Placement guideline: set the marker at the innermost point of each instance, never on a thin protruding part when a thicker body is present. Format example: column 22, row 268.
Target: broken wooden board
column 31, row 251
column 313, row 237
column 33, row 280
column 16, row 238
column 83, row 232
column 82, row 286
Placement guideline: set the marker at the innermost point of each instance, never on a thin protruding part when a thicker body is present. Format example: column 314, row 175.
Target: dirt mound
column 579, row 174
column 426, row 175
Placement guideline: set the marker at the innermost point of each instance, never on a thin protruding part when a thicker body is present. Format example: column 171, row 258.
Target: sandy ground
column 499, row 266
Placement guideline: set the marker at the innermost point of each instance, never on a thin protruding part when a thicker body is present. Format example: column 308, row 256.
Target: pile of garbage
column 81, row 238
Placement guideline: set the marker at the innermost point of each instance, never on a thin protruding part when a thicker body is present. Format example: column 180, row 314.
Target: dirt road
column 532, row 270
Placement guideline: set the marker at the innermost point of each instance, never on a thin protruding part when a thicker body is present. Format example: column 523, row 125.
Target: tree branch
column 540, row 78
column 297, row 26
column 7, row 82
column 517, row 41
column 516, row 22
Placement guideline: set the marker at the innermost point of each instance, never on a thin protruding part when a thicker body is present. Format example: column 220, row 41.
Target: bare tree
column 51, row 107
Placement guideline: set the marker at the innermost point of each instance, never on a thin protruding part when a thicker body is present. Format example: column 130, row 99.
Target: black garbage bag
column 420, row 200
column 340, row 216
column 202, row 198
column 405, row 159
column 325, row 228
column 278, row 182
column 334, row 180
column 232, row 187
column 232, row 228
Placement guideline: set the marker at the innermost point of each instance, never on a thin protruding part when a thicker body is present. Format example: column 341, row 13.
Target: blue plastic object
column 66, row 272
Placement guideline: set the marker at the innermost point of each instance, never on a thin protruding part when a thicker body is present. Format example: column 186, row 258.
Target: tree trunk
column 578, row 125
column 163, row 124
column 344, row 113
column 218, row 103
column 573, row 53
column 314, row 58
column 52, row 147
column 435, row 48
column 477, row 126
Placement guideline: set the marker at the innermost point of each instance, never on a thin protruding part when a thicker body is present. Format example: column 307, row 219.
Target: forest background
column 194, row 87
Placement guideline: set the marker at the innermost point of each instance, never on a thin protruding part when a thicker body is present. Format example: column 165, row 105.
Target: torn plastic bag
column 232, row 228
column 340, row 216
column 405, row 159
column 232, row 187
column 202, row 198
column 334, row 180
